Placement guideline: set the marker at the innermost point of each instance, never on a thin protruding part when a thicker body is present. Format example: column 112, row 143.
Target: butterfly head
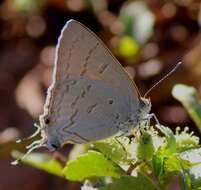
column 49, row 135
column 144, row 107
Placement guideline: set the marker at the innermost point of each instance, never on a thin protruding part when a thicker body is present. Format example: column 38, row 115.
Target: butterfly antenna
column 166, row 76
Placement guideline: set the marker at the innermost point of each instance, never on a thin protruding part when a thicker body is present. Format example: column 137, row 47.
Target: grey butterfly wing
column 91, row 93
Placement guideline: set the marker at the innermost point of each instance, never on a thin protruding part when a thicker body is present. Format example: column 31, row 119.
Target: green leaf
column 91, row 164
column 185, row 182
column 112, row 149
column 171, row 164
column 171, row 145
column 145, row 147
column 165, row 166
column 188, row 97
column 194, row 157
column 41, row 161
column 140, row 182
column 157, row 162
column 77, row 150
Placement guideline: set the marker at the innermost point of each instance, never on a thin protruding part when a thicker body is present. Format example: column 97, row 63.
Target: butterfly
column 91, row 96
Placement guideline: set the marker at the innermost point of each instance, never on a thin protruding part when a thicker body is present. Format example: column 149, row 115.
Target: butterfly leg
column 38, row 130
column 148, row 119
column 152, row 115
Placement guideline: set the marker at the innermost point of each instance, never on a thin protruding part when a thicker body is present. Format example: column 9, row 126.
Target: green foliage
column 41, row 161
column 145, row 147
column 91, row 164
column 117, row 153
column 150, row 157
column 188, row 97
column 157, row 164
column 129, row 182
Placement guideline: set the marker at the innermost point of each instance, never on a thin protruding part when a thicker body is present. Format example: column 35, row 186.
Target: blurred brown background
column 148, row 37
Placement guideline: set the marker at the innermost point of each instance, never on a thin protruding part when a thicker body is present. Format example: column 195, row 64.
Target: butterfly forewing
column 91, row 94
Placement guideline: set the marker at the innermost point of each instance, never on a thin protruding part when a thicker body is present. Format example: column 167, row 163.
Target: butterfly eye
column 55, row 146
